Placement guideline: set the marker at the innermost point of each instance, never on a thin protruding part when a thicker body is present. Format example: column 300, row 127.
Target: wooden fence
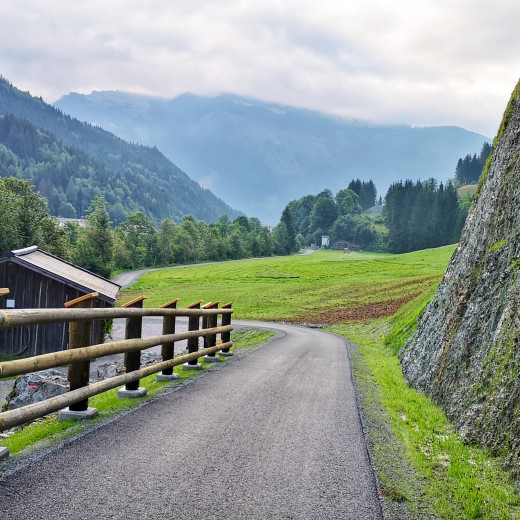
column 80, row 315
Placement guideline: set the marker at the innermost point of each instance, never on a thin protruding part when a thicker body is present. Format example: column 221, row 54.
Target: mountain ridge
column 171, row 192
column 260, row 155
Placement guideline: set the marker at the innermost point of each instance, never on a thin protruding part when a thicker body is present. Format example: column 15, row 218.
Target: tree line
column 339, row 216
column 136, row 242
column 422, row 215
column 469, row 168
column 416, row 215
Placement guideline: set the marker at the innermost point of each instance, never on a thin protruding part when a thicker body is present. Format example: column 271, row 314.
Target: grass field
column 325, row 287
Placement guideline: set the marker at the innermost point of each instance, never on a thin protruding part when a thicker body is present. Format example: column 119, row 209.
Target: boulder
column 37, row 386
column 150, row 358
column 107, row 370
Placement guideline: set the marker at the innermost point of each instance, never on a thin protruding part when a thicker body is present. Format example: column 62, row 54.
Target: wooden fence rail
column 81, row 352
column 64, row 357
column 10, row 319
column 27, row 413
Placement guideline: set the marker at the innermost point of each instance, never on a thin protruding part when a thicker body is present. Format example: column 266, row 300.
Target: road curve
column 275, row 434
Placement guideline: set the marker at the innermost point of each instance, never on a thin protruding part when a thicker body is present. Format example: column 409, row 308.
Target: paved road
column 273, row 435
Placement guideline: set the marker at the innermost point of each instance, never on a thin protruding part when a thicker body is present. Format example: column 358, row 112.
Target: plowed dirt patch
column 369, row 311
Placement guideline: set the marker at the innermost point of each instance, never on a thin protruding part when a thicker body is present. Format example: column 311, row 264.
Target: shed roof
column 63, row 271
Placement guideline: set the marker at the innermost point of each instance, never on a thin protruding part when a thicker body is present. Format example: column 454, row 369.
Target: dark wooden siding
column 33, row 290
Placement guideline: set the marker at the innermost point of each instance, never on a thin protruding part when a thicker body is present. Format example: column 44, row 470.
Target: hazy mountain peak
column 259, row 155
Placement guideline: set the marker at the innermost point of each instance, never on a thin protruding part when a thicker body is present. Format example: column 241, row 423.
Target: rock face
column 466, row 351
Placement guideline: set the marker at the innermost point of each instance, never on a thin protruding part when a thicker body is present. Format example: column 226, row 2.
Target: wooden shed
column 37, row 279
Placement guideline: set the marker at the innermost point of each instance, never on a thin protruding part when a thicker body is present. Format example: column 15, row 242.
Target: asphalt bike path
column 274, row 434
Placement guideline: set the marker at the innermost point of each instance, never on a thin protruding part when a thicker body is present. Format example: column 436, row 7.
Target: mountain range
column 71, row 162
column 258, row 156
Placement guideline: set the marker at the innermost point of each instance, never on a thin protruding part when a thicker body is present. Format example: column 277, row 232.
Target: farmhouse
column 37, row 279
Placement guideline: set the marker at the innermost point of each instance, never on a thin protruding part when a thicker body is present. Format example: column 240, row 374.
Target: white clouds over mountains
column 428, row 62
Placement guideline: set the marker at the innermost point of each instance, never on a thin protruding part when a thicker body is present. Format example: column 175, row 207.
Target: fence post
column 226, row 336
column 205, row 324
column 193, row 343
column 211, row 341
column 167, row 351
column 80, row 335
column 133, row 330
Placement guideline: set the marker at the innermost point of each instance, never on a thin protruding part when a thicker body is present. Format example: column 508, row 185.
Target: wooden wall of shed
column 33, row 290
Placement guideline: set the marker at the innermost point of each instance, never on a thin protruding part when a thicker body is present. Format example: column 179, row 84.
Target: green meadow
column 321, row 287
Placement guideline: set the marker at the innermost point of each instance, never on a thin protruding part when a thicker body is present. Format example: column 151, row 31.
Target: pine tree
column 291, row 245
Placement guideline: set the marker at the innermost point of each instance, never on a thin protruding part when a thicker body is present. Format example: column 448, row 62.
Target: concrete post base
column 187, row 366
column 67, row 414
column 4, row 453
column 211, row 359
column 123, row 393
column 226, row 354
column 166, row 377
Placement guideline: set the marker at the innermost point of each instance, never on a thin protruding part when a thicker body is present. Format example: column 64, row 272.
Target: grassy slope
column 439, row 474
column 300, row 287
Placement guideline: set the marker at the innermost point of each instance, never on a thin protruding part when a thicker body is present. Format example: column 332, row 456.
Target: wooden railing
column 80, row 315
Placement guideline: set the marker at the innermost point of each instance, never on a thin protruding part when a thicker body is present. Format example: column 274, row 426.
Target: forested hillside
column 340, row 216
column 66, row 176
column 73, row 162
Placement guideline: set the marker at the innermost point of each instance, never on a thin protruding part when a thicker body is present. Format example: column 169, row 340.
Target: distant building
column 81, row 222
column 325, row 241
column 36, row 279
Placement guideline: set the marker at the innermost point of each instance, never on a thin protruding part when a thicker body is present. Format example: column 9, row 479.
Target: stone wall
column 465, row 353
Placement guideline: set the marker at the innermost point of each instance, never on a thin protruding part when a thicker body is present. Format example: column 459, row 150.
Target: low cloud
column 429, row 62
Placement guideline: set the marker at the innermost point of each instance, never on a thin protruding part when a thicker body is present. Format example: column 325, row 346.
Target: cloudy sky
column 420, row 62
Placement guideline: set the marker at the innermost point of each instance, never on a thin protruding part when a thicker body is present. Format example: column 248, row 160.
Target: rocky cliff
column 465, row 353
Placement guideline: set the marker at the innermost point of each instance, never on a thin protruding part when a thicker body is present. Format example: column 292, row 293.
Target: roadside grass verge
column 439, row 476
column 49, row 430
